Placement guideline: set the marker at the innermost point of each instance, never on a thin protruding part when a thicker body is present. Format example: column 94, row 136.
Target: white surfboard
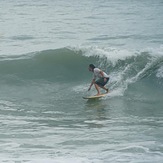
column 95, row 96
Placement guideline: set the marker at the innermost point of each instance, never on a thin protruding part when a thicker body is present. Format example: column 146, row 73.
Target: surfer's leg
column 106, row 89
column 101, row 83
column 97, row 88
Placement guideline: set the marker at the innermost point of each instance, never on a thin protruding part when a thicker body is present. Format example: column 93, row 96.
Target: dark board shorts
column 101, row 82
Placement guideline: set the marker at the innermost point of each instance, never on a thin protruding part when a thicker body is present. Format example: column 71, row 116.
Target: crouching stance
column 100, row 79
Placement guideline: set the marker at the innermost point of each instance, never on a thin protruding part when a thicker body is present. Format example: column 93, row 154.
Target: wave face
column 71, row 65
column 55, row 65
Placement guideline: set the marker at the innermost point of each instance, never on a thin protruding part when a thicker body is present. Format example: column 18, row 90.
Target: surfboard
column 95, row 96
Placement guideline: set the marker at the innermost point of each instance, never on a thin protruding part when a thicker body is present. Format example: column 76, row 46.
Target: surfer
column 100, row 79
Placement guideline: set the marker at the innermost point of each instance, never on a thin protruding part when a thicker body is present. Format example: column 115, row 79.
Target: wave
column 70, row 64
column 55, row 65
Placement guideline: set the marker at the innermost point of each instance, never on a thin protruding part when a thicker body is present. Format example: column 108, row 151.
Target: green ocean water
column 45, row 50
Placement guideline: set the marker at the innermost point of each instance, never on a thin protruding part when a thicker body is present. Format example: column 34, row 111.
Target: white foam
column 117, row 92
column 160, row 72
column 155, row 52
column 114, row 54
column 111, row 54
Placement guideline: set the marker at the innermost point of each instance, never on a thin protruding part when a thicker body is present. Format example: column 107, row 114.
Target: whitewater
column 45, row 50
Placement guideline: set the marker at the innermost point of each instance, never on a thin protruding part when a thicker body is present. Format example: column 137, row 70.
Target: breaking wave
column 70, row 64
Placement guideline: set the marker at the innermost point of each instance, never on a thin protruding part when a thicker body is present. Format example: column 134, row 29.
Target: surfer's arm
column 93, row 81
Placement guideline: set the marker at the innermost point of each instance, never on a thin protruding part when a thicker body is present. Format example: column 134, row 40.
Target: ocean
column 45, row 49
